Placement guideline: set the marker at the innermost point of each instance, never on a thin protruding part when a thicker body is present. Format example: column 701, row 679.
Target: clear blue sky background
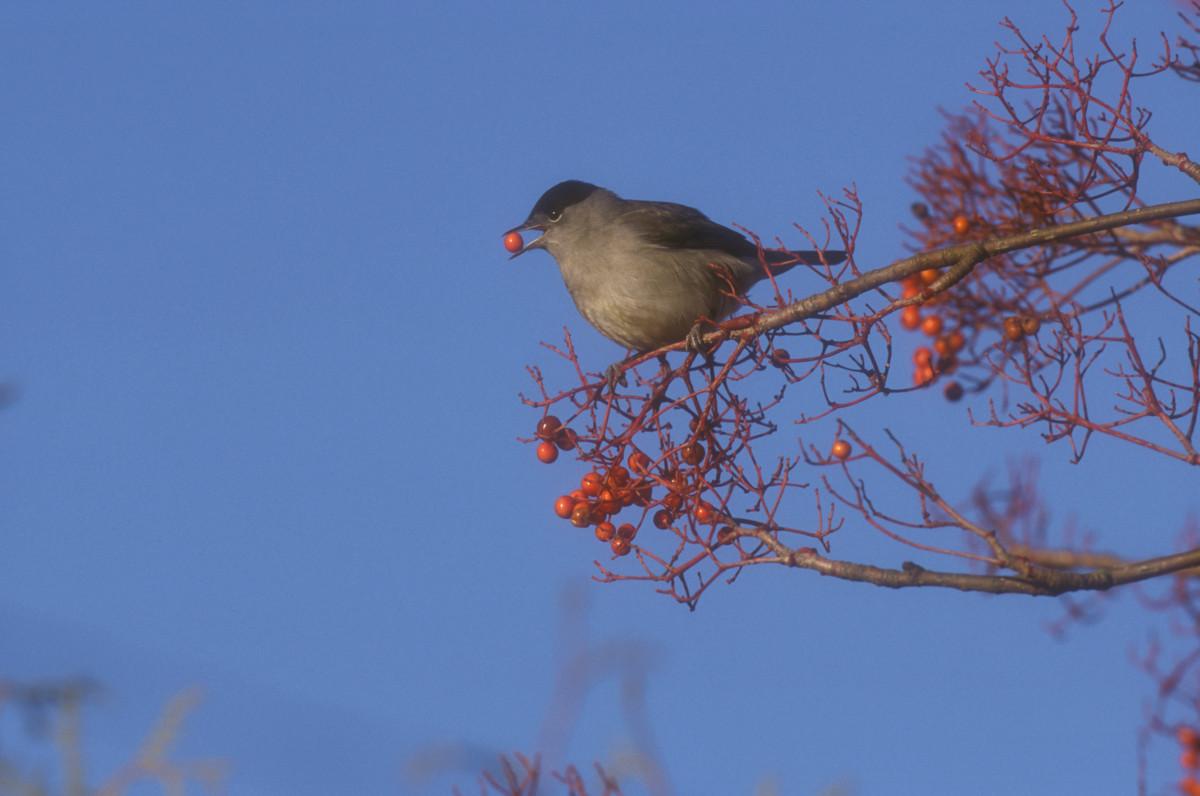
column 268, row 348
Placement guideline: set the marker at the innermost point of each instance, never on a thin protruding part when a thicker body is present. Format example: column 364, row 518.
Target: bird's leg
column 695, row 336
column 614, row 374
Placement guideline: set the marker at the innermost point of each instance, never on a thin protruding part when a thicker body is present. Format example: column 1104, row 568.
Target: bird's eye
column 554, row 215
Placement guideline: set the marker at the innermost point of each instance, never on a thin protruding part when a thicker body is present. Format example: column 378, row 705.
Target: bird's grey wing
column 675, row 226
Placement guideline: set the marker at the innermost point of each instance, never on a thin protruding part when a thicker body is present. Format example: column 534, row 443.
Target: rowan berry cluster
column 618, row 497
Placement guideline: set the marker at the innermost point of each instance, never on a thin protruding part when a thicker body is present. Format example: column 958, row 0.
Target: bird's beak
column 536, row 243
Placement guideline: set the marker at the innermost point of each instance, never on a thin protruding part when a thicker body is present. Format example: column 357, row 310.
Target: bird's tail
column 782, row 261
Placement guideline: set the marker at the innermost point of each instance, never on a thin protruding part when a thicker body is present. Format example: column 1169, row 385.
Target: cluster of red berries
column 1189, row 759
column 554, row 436
column 946, row 344
column 602, row 495
column 1017, row 327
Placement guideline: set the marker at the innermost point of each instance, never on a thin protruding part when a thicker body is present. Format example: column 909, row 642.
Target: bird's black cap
column 560, row 197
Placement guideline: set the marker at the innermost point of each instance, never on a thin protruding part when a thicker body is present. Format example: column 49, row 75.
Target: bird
column 646, row 274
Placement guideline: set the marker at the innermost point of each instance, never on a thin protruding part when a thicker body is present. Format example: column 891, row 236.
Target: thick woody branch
column 1038, row 582
column 965, row 257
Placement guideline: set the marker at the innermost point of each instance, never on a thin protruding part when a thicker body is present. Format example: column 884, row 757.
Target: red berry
column 581, row 515
column 546, row 452
column 704, row 513
column 591, row 484
column 910, row 317
column 1030, row 324
column 639, row 462
column 961, row 224
column 566, row 439
column 609, row 503
column 693, row 454
column 564, row 506
column 662, row 519
column 841, row 449
column 956, row 340
column 548, row 426
column 672, row 501
column 513, row 242
column 953, row 391
column 780, row 357
column 1013, row 329
column 618, row 476
column 626, row 531
column 726, row 534
column 605, row 531
column 620, row 547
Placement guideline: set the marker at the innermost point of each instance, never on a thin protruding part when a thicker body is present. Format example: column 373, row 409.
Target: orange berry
column 910, row 317
column 1030, row 325
column 932, row 325
column 591, row 484
column 930, row 275
column 605, row 531
column 546, row 452
column 705, row 514
column 1012, row 328
column 1187, row 737
column 564, row 506
column 953, row 391
column 922, row 356
column 922, row 375
column 942, row 346
column 961, row 224
column 548, row 426
column 639, row 462
column 909, row 289
column 566, row 439
column 609, row 503
column 621, row 547
column 1189, row 758
column 841, row 449
column 618, row 476
column 662, row 519
column 513, row 242
column 581, row 515
column 957, row 340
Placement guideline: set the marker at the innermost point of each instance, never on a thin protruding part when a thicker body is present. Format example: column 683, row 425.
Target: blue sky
column 268, row 347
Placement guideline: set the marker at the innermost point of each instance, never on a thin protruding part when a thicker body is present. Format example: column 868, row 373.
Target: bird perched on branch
column 646, row 273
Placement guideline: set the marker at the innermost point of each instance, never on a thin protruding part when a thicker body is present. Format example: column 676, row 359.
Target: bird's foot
column 614, row 374
column 695, row 336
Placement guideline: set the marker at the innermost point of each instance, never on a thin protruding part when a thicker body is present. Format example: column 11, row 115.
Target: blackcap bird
column 644, row 273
